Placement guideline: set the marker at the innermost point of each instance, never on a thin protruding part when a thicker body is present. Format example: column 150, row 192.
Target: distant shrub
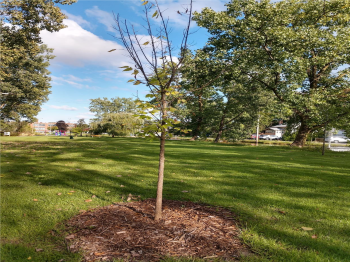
column 289, row 136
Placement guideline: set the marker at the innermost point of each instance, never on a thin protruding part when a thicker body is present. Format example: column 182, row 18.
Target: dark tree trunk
column 302, row 135
column 198, row 127
column 197, row 130
column 221, row 127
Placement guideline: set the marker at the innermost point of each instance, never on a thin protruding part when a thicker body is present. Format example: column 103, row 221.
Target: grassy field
column 274, row 190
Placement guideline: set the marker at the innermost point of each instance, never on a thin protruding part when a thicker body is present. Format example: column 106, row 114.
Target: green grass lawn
column 274, row 190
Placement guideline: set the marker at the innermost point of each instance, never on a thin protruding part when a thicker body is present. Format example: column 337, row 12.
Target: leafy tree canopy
column 102, row 106
column 114, row 116
column 117, row 124
column 15, row 127
column 299, row 50
column 24, row 61
column 25, row 84
column 220, row 100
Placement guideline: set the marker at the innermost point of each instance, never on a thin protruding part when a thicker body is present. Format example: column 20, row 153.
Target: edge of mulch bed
column 127, row 231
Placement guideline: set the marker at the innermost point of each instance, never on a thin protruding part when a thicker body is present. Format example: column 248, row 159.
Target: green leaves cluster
column 23, row 73
column 102, row 106
column 115, row 116
column 151, row 112
column 15, row 127
column 296, row 50
column 117, row 124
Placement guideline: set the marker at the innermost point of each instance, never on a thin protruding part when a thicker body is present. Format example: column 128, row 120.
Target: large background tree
column 81, row 126
column 299, row 50
column 114, row 116
column 25, row 83
column 220, row 101
column 62, row 126
column 117, row 124
column 102, row 106
column 15, row 127
column 199, row 75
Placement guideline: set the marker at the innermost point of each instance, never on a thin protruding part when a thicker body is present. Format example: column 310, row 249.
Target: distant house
column 338, row 133
column 43, row 128
column 278, row 130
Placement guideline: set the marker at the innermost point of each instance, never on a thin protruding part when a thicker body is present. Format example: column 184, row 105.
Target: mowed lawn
column 274, row 191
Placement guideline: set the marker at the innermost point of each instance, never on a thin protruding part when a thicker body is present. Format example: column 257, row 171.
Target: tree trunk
column 257, row 131
column 159, row 199
column 221, row 127
column 198, row 127
column 197, row 130
column 301, row 137
column 324, row 140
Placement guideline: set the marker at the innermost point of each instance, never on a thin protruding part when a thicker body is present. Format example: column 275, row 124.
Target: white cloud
column 68, row 108
column 78, row 47
column 67, row 79
column 77, row 18
column 75, row 46
column 78, row 79
column 103, row 17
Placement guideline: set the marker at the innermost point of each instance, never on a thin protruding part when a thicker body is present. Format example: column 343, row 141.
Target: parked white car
column 338, row 139
column 269, row 137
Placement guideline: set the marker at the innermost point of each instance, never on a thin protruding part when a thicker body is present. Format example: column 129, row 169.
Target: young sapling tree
column 157, row 67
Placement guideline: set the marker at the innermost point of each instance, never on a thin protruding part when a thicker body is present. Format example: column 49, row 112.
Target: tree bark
column 197, row 130
column 221, row 127
column 257, row 131
column 324, row 140
column 159, row 199
column 302, row 134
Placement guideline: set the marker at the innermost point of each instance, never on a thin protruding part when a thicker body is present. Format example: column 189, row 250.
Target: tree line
column 291, row 56
column 264, row 60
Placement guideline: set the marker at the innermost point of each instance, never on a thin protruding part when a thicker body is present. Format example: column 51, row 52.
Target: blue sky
column 83, row 68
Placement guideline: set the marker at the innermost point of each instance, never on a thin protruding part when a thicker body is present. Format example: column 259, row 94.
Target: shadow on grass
column 257, row 183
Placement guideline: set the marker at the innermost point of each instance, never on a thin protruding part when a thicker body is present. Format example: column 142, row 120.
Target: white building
column 278, row 130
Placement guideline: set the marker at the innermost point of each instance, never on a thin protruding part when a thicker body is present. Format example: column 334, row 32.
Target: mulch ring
column 127, row 231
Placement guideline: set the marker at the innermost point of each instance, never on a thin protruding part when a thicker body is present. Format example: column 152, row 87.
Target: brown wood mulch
column 127, row 231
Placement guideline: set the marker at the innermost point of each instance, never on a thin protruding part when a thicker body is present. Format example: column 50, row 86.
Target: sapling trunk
column 159, row 199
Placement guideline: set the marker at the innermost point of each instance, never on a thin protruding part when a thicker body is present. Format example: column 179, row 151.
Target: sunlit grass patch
column 275, row 191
